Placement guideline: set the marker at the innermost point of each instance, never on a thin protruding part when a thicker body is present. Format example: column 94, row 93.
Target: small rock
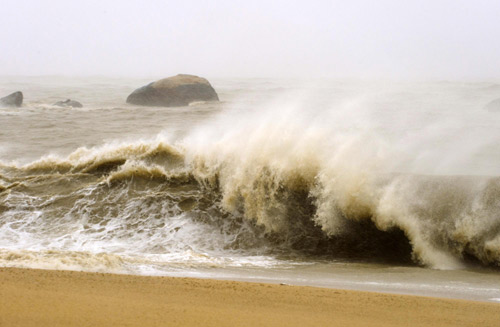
column 12, row 100
column 68, row 103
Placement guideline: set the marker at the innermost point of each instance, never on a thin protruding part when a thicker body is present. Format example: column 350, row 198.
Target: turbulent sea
column 364, row 185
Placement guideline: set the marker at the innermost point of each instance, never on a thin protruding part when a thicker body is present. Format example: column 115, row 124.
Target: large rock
column 493, row 105
column 174, row 91
column 68, row 103
column 12, row 100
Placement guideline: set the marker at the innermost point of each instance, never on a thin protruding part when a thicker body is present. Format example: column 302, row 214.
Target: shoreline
column 31, row 297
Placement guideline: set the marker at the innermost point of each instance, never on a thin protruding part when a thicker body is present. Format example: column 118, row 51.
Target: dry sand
column 64, row 298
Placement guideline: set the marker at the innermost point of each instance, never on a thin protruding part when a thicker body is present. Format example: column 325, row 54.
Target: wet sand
column 64, row 298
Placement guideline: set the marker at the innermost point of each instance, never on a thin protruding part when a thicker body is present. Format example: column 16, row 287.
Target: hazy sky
column 350, row 38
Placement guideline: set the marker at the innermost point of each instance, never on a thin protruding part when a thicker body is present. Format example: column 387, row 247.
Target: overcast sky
column 452, row 39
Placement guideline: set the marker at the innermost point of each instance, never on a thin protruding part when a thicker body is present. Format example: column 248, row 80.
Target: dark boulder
column 493, row 105
column 174, row 91
column 12, row 100
column 68, row 103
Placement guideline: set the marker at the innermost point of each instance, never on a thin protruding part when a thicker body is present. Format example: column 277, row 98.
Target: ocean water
column 371, row 185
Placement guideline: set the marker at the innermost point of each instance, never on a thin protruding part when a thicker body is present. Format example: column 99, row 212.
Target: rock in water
column 493, row 105
column 12, row 100
column 174, row 91
column 68, row 103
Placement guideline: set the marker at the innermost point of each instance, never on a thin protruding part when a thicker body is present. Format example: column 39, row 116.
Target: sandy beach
column 67, row 298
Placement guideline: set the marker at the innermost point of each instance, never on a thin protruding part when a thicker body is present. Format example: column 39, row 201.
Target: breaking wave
column 272, row 188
